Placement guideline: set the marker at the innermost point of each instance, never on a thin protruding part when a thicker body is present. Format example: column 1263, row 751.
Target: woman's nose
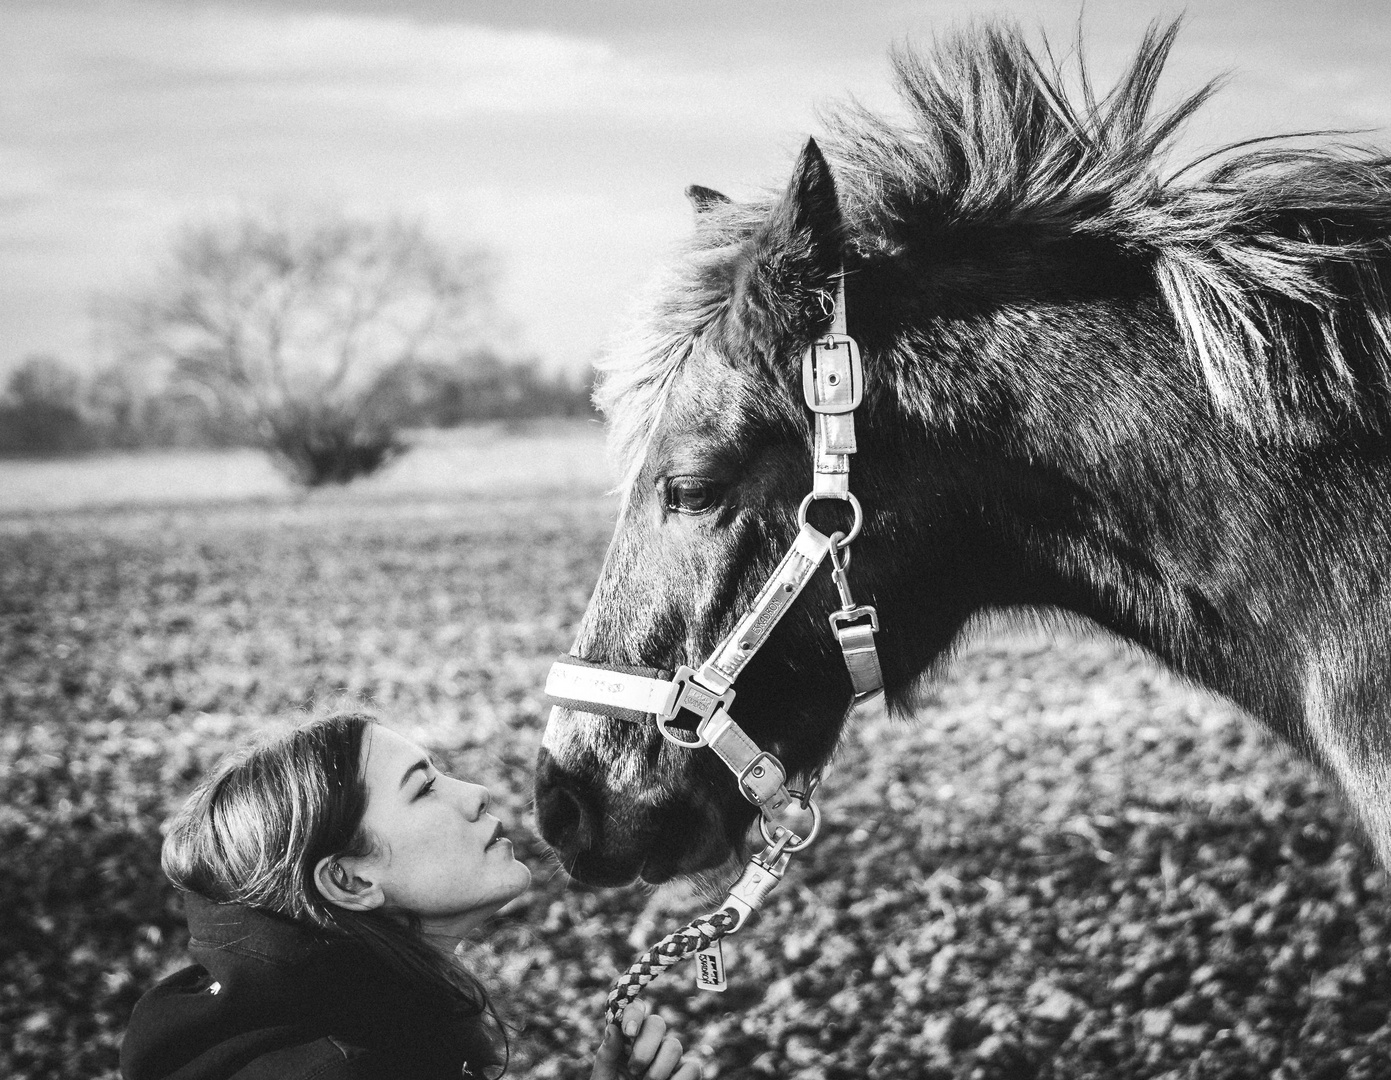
column 477, row 801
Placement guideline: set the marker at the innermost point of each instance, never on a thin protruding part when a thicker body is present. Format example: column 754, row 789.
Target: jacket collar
column 252, row 951
column 266, row 983
column 281, row 971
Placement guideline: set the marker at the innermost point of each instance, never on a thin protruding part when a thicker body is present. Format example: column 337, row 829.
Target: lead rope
column 696, row 936
column 701, row 937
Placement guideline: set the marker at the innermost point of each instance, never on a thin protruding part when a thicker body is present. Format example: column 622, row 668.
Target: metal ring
column 805, row 841
column 662, row 722
column 849, row 497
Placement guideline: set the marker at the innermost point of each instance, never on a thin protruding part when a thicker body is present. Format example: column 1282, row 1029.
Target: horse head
column 1086, row 389
column 710, row 415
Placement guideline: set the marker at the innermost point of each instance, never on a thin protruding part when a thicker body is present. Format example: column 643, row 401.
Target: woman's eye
column 428, row 786
column 690, row 495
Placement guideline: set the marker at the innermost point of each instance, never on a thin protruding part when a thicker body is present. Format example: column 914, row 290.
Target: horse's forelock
column 671, row 321
column 687, row 312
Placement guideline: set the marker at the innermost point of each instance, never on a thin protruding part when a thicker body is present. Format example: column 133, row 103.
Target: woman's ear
column 347, row 883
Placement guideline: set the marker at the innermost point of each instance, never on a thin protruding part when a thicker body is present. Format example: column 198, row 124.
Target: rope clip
column 854, row 626
column 840, row 574
column 761, row 876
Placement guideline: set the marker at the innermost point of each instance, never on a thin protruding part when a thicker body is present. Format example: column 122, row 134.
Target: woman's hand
column 655, row 1055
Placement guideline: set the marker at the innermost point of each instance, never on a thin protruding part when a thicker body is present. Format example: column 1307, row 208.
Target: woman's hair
column 253, row 832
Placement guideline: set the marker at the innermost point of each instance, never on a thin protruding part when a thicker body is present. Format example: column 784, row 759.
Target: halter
column 691, row 705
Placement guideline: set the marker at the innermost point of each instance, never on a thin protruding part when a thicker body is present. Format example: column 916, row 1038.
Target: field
column 1068, row 864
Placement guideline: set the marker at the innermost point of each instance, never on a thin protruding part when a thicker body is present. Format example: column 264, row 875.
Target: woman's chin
column 517, row 901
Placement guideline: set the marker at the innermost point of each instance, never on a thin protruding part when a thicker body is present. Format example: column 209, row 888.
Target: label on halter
column 710, row 968
column 788, row 580
column 638, row 694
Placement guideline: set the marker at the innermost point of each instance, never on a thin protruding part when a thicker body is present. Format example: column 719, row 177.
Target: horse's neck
column 1252, row 572
column 1101, row 481
column 1275, row 591
column 1118, row 492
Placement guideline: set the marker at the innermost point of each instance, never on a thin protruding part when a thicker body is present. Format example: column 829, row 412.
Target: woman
column 330, row 876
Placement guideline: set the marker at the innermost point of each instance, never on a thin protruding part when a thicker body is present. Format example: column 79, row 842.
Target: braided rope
column 690, row 939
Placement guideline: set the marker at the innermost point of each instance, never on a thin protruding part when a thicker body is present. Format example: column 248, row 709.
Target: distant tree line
column 318, row 338
column 50, row 408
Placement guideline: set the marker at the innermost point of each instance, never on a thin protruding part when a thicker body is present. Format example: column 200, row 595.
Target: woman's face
column 439, row 854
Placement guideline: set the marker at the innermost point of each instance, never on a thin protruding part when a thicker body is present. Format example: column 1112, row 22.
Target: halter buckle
column 836, row 357
column 857, row 646
column 754, row 772
column 840, row 618
column 695, row 698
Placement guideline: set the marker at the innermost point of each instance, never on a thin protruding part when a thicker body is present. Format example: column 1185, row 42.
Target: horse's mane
column 1272, row 262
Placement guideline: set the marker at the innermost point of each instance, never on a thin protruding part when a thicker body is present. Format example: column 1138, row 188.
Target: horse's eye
column 690, row 494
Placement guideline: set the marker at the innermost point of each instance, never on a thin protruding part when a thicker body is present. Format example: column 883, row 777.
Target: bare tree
column 289, row 324
column 40, row 409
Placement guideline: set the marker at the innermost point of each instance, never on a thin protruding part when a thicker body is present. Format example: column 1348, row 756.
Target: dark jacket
column 268, row 1000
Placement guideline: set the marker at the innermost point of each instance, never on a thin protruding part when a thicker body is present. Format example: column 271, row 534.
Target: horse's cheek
column 591, row 749
column 560, row 737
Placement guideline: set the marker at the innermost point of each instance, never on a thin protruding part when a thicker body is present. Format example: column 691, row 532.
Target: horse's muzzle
column 604, row 838
column 570, row 816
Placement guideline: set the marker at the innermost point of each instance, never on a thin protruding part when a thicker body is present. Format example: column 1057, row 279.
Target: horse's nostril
column 564, row 820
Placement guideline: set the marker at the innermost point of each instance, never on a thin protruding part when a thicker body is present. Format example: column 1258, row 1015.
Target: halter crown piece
column 691, row 706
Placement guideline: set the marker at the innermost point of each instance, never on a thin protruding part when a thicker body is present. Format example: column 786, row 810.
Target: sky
column 560, row 134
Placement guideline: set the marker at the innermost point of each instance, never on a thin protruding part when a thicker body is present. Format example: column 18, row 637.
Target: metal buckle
column 692, row 697
column 831, row 343
column 756, row 768
column 849, row 615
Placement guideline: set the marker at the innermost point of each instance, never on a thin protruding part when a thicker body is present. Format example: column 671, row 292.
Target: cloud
column 118, row 119
column 565, row 150
column 563, row 138
column 378, row 63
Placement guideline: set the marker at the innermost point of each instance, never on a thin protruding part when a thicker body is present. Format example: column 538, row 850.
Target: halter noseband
column 691, row 706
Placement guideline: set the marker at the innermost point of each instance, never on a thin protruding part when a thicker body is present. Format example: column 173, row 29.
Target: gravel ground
column 1065, row 864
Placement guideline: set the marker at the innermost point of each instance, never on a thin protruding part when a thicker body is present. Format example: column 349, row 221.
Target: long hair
column 254, row 830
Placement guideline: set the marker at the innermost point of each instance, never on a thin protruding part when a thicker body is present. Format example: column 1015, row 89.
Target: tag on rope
column 710, row 968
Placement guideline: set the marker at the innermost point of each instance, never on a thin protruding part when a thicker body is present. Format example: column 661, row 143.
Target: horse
column 1154, row 399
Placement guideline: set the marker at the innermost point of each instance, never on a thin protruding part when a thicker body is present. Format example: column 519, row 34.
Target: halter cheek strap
column 833, row 380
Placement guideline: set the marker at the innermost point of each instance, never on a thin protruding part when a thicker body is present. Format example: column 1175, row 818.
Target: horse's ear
column 809, row 211
column 704, row 198
column 796, row 257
